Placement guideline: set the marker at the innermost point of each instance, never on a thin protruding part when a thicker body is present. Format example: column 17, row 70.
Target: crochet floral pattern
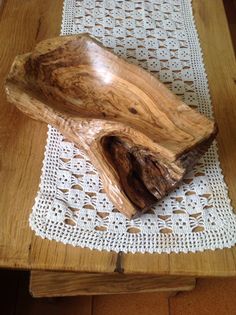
column 71, row 205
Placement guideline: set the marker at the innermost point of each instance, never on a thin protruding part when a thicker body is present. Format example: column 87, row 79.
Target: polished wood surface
column 220, row 65
column 140, row 137
column 23, row 141
column 23, row 24
column 51, row 284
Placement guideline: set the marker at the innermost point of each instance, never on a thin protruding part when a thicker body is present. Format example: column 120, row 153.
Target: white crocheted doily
column 71, row 206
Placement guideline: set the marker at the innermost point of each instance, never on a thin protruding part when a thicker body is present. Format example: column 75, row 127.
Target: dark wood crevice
column 144, row 179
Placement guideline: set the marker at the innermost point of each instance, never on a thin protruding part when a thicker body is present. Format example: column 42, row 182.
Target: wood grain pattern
column 27, row 305
column 20, row 156
column 50, row 284
column 217, row 48
column 21, row 152
column 140, row 137
column 23, row 141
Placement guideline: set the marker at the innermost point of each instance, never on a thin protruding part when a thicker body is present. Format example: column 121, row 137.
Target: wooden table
column 22, row 24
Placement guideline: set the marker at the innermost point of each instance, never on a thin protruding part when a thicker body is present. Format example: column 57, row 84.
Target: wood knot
column 133, row 110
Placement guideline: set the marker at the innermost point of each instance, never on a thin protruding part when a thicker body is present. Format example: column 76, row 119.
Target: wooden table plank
column 220, row 65
column 50, row 255
column 22, row 140
column 22, row 24
column 51, row 284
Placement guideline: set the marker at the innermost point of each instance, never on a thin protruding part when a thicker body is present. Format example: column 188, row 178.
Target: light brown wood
column 50, row 284
column 23, row 24
column 141, row 138
column 22, row 137
column 220, row 65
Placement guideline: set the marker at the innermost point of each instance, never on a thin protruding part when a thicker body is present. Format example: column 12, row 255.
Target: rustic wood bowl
column 141, row 138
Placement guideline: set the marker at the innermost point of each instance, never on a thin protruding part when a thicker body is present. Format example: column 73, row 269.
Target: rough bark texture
column 141, row 138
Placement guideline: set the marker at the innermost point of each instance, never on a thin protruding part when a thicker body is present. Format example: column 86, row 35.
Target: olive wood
column 141, row 138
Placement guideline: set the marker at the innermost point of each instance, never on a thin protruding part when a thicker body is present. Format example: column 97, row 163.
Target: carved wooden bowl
column 141, row 138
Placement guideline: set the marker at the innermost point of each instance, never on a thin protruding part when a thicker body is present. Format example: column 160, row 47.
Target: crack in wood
column 119, row 268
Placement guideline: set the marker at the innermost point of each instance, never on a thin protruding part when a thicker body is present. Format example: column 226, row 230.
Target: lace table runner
column 71, row 206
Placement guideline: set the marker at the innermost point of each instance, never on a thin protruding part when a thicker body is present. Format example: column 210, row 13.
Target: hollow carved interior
column 144, row 179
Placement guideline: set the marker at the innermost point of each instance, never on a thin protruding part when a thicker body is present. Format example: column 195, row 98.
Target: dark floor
column 230, row 9
column 211, row 296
